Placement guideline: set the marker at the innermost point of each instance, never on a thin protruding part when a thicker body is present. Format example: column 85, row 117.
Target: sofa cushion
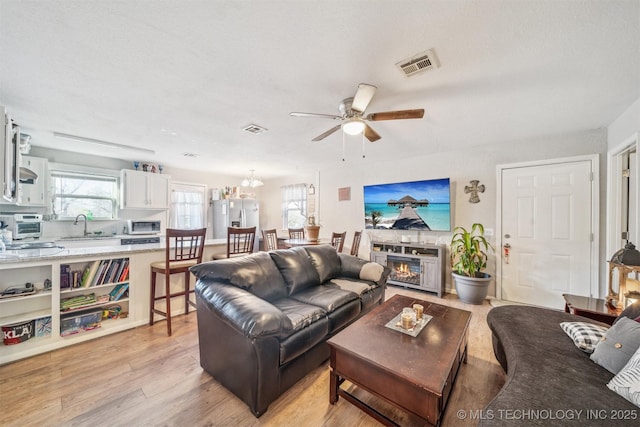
column 618, row 345
column 296, row 268
column 256, row 273
column 356, row 286
column 325, row 259
column 627, row 382
column 632, row 312
column 300, row 314
column 327, row 297
column 585, row 336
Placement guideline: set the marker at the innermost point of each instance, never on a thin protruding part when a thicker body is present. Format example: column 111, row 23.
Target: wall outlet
column 488, row 232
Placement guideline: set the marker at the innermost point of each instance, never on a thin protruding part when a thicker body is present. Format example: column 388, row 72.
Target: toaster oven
column 143, row 227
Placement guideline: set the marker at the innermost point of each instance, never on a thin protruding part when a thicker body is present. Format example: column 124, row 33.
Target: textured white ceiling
column 187, row 76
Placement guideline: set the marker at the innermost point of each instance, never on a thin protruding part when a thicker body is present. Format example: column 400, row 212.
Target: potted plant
column 313, row 229
column 468, row 260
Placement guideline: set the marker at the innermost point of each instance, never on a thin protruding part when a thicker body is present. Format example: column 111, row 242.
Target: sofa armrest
column 250, row 315
column 359, row 268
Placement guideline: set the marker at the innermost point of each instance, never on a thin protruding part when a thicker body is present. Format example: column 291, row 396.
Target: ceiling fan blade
column 363, row 97
column 370, row 134
column 396, row 115
column 327, row 133
column 321, row 116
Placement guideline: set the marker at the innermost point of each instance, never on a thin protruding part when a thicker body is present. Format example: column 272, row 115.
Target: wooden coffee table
column 592, row 308
column 414, row 374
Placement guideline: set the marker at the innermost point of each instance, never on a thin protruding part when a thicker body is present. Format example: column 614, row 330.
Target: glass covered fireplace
column 404, row 269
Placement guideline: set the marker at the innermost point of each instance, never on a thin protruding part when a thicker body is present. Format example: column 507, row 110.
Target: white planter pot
column 472, row 290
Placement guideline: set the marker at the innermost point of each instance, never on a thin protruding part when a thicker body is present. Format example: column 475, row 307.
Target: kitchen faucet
column 85, row 223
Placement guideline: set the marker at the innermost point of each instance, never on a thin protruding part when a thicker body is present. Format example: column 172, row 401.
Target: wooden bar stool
column 183, row 249
column 356, row 243
column 270, row 238
column 296, row 233
column 337, row 240
column 240, row 242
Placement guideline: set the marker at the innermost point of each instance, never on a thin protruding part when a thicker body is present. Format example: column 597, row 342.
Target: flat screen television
column 416, row 205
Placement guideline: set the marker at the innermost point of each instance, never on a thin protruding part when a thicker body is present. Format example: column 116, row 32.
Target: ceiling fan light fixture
column 353, row 127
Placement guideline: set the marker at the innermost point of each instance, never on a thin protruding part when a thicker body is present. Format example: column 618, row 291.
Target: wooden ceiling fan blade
column 370, row 134
column 327, row 133
column 320, row 116
column 396, row 115
column 363, row 97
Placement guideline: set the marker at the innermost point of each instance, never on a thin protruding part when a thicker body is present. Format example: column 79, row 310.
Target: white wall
column 460, row 166
column 624, row 126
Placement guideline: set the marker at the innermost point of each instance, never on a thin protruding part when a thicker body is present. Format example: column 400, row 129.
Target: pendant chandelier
column 252, row 181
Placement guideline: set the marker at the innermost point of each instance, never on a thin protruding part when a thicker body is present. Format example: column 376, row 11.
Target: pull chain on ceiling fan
column 352, row 112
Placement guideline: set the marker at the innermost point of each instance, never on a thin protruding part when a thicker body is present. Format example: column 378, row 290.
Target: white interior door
column 546, row 219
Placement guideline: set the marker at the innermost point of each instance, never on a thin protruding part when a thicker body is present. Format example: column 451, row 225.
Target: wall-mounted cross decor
column 474, row 188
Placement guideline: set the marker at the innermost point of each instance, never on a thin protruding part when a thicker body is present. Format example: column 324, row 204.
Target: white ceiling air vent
column 255, row 129
column 190, row 155
column 419, row 62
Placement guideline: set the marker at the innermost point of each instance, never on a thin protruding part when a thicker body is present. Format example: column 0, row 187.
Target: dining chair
column 270, row 238
column 240, row 242
column 183, row 249
column 296, row 233
column 337, row 240
column 356, row 243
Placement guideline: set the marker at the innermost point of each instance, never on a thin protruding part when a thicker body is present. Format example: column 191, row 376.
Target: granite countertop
column 60, row 252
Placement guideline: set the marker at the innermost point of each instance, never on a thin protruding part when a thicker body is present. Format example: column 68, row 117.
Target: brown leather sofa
column 263, row 319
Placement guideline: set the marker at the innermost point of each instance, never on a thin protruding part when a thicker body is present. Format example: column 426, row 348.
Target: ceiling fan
column 352, row 112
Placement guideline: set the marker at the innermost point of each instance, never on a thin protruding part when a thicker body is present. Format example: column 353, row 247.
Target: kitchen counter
column 60, row 252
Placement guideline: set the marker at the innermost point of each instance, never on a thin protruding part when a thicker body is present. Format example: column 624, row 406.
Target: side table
column 592, row 308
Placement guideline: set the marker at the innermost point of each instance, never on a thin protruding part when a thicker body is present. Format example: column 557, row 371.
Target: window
column 187, row 206
column 294, row 206
column 92, row 194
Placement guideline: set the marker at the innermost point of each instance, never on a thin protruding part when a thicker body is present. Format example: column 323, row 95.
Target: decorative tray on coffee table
column 396, row 325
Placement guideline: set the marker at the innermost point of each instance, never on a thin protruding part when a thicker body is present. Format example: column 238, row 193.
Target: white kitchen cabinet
column 144, row 190
column 32, row 191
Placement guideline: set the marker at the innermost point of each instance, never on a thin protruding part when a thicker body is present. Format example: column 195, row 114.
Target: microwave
column 23, row 225
column 143, row 227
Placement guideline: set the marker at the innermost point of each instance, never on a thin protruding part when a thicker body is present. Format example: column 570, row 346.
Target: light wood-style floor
column 142, row 377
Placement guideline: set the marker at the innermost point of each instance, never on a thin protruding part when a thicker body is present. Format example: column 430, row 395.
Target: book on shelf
column 90, row 274
column 118, row 291
column 124, row 275
column 99, row 274
column 115, row 267
column 77, row 301
column 65, row 270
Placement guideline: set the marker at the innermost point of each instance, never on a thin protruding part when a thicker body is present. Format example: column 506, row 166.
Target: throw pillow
column 632, row 312
column 618, row 345
column 584, row 335
column 627, row 382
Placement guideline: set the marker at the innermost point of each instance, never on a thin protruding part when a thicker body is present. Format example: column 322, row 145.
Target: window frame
column 187, row 185
column 285, row 209
column 56, row 169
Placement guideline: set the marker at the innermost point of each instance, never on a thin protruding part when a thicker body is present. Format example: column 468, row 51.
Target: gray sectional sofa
column 550, row 381
column 263, row 319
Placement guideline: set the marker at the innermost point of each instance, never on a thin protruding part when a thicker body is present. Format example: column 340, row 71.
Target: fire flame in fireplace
column 402, row 272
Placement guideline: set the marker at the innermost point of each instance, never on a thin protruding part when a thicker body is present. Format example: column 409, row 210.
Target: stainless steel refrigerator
column 235, row 213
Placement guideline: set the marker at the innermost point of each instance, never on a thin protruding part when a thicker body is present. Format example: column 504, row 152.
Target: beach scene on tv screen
column 416, row 205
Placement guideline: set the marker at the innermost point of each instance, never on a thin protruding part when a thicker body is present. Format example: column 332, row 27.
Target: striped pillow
column 627, row 382
column 584, row 335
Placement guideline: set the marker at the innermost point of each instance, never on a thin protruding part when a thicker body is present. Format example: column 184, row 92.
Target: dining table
column 290, row 243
